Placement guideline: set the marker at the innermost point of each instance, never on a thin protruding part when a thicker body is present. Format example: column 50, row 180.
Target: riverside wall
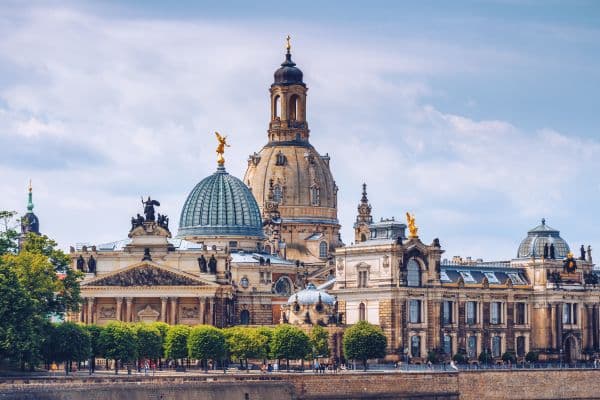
column 468, row 385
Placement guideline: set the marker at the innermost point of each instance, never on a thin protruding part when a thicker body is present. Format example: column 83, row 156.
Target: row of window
column 496, row 313
column 315, row 194
column 495, row 346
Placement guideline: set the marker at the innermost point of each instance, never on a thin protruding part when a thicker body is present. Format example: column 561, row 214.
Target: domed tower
column 298, row 177
column 221, row 211
column 543, row 241
column 30, row 223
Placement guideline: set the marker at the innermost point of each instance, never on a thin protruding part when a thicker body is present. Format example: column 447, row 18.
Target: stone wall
column 471, row 385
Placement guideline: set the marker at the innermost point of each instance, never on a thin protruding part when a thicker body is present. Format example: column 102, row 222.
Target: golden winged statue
column 412, row 228
column 221, row 148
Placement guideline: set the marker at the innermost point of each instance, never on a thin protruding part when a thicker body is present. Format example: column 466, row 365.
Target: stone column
column 590, row 326
column 202, row 308
column 174, row 310
column 211, row 314
column 552, row 329
column 90, row 310
column 558, row 325
column 163, row 309
column 129, row 311
column 119, row 301
column 595, row 321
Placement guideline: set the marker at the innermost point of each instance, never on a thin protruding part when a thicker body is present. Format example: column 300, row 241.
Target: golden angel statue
column 412, row 228
column 221, row 148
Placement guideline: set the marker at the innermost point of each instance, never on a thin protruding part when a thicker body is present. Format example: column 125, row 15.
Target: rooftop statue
column 149, row 208
column 221, row 148
column 412, row 227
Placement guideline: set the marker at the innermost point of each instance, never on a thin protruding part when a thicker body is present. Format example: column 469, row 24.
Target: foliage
column 509, row 357
column 363, row 341
column 460, row 358
column 319, row 340
column 435, row 356
column 206, row 342
column 290, row 343
column 149, row 341
column 8, row 232
column 532, row 356
column 263, row 336
column 72, row 343
column 176, row 342
column 485, row 357
column 163, row 328
column 118, row 341
column 95, row 331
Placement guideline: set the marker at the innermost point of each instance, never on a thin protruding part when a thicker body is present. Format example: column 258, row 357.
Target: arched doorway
column 571, row 350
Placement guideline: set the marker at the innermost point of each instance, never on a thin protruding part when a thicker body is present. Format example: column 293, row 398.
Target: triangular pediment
column 148, row 274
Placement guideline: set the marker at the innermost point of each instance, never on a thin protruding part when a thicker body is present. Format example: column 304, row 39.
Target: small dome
column 220, row 205
column 310, row 295
column 288, row 73
column 533, row 244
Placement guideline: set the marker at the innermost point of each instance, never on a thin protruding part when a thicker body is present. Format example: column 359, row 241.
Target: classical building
column 544, row 300
column 290, row 180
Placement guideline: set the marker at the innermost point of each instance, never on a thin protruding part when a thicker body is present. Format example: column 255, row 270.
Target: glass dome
column 533, row 244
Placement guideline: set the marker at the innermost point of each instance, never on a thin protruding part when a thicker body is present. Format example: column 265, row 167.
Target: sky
column 480, row 117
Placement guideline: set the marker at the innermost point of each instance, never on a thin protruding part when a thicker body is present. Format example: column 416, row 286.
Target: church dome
column 220, row 205
column 288, row 73
column 533, row 244
column 311, row 295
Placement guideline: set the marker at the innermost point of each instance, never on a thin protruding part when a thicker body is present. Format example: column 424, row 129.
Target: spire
column 30, row 199
column 364, row 194
column 288, row 45
column 288, row 53
column 364, row 208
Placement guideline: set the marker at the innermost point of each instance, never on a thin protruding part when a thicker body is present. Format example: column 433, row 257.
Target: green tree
column 96, row 349
column 72, row 343
column 363, row 341
column 176, row 341
column 206, row 343
column 8, row 232
column 149, row 341
column 319, row 340
column 119, row 342
column 290, row 343
column 244, row 343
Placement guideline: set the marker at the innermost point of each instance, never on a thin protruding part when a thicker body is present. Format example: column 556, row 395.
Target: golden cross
column 288, row 45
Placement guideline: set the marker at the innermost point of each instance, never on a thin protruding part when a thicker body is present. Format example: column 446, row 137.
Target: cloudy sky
column 479, row 117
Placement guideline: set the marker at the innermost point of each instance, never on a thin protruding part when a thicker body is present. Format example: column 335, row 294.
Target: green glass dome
column 220, row 205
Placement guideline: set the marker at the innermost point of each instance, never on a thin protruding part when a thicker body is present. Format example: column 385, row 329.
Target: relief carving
column 146, row 276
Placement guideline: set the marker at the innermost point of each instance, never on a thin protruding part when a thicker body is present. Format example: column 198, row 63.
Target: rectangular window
column 448, row 344
column 414, row 311
column 566, row 317
column 495, row 313
column 415, row 346
column 491, row 277
column 496, row 346
column 520, row 318
column 472, row 347
column 467, row 277
column 233, row 244
column 471, row 312
column 516, row 278
column 447, row 312
column 520, row 346
column 362, row 278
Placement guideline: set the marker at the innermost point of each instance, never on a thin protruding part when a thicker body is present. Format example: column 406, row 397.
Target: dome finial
column 221, row 148
column 543, row 221
column 288, row 44
column 30, row 198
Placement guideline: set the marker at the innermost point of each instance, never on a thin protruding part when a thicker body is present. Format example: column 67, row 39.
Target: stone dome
column 311, row 295
column 220, row 205
column 288, row 73
column 533, row 244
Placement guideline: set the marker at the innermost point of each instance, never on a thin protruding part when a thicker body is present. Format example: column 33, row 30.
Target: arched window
column 293, row 108
column 323, row 249
column 415, row 346
column 280, row 159
column 362, row 312
column 363, row 237
column 414, row 273
column 277, row 194
column 245, row 317
column 283, row 286
column 277, row 107
column 315, row 199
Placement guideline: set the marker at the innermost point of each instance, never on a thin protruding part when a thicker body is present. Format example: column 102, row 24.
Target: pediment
column 147, row 274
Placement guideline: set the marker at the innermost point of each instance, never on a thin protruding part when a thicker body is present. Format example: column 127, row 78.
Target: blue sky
column 478, row 116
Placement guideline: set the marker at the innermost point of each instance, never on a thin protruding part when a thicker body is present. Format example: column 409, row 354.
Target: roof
column 119, row 245
column 475, row 274
column 311, row 295
column 220, row 205
column 252, row 258
column 537, row 238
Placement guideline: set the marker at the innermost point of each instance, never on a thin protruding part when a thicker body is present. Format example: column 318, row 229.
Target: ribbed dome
column 220, row 205
column 288, row 73
column 533, row 244
column 311, row 295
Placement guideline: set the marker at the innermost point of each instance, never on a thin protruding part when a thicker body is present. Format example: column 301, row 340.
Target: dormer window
column 280, row 159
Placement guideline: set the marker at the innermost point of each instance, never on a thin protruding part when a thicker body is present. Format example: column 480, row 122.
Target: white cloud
column 99, row 110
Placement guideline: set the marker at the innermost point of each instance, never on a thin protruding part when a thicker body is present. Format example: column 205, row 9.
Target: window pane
column 414, row 274
column 471, row 312
column 521, row 346
column 448, row 344
column 415, row 311
column 520, row 313
column 447, row 312
column 415, row 346
column 472, row 347
column 496, row 342
column 566, row 313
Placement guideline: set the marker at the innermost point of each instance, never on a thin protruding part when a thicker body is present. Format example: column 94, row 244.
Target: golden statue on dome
column 221, row 148
column 288, row 45
column 412, row 228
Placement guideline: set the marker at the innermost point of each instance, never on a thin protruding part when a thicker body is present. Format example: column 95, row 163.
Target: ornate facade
column 545, row 300
column 289, row 177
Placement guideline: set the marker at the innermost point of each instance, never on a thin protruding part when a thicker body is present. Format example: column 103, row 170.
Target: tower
column 363, row 218
column 298, row 177
column 30, row 221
